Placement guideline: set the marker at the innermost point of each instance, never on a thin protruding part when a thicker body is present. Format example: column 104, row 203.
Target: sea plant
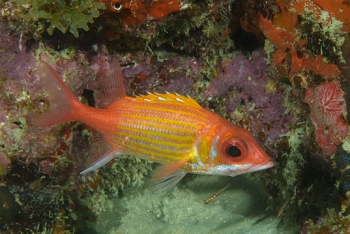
column 63, row 15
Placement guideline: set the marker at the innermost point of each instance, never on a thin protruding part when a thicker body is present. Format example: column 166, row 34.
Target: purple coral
column 248, row 78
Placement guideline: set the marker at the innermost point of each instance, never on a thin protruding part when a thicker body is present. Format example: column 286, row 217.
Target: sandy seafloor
column 242, row 208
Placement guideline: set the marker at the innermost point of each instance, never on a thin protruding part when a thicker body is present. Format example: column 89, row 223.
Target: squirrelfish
column 170, row 129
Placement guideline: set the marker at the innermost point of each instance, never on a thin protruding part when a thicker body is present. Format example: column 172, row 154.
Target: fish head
column 232, row 151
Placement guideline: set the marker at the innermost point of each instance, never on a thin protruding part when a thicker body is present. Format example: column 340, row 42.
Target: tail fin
column 61, row 95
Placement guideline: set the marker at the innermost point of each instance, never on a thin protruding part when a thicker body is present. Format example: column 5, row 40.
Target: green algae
column 270, row 49
column 200, row 33
column 346, row 144
column 63, row 15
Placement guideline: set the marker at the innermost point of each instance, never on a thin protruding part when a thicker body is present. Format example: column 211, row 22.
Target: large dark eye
column 233, row 151
column 117, row 6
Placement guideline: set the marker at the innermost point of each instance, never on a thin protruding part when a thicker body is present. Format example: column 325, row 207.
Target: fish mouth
column 261, row 166
column 234, row 170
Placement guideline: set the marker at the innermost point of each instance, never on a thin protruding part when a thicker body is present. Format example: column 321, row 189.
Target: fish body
column 170, row 129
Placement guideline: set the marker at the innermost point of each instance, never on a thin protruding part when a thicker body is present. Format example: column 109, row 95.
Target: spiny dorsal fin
column 173, row 98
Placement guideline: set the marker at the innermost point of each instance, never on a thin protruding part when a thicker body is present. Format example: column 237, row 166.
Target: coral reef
column 284, row 41
column 243, row 83
column 307, row 48
column 138, row 25
column 328, row 112
column 291, row 96
column 336, row 218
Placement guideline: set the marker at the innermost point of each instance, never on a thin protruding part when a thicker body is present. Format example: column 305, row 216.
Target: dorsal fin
column 173, row 98
column 111, row 88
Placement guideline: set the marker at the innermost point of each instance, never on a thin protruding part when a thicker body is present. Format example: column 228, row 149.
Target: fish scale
column 154, row 132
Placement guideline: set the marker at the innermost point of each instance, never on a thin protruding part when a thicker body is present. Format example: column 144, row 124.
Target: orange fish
column 166, row 128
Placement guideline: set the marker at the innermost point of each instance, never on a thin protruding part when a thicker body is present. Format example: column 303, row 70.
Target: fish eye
column 117, row 6
column 233, row 151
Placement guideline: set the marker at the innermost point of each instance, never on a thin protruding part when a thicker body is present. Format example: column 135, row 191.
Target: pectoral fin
column 168, row 175
column 168, row 182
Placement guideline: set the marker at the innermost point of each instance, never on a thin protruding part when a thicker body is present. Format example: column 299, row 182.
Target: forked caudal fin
column 67, row 107
column 62, row 97
column 111, row 88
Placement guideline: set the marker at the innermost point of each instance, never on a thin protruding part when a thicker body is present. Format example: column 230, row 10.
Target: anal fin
column 103, row 160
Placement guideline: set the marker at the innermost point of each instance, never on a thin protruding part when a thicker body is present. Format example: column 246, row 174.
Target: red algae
column 286, row 41
column 288, row 17
column 337, row 8
column 327, row 114
column 139, row 11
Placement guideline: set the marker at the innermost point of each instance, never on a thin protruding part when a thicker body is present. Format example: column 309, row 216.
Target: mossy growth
column 124, row 171
column 324, row 35
column 331, row 223
column 202, row 34
column 109, row 181
column 346, row 144
column 63, row 15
